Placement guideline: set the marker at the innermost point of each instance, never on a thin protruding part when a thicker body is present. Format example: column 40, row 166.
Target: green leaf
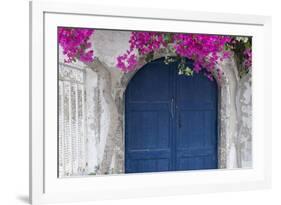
column 169, row 60
column 184, row 70
column 188, row 71
column 149, row 57
column 167, row 37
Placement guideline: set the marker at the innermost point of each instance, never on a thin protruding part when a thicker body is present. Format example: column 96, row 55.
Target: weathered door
column 170, row 120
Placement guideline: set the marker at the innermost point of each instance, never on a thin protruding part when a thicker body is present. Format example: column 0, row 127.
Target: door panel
column 196, row 162
column 149, row 126
column 170, row 120
column 148, row 120
column 196, row 132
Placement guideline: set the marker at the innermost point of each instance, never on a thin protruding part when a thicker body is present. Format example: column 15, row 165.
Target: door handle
column 172, row 108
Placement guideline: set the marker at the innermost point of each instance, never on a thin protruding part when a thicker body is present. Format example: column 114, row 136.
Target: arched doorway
column 170, row 120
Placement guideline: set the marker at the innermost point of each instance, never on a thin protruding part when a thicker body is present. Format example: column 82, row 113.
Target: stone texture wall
column 105, row 87
column 244, row 111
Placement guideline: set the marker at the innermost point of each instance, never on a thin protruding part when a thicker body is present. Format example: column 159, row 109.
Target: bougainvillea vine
column 75, row 44
column 242, row 49
column 143, row 43
column 205, row 51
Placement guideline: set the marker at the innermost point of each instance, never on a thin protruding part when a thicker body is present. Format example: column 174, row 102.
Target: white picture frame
column 46, row 187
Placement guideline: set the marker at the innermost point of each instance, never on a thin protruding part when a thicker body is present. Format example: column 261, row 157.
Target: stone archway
column 227, row 111
column 112, row 86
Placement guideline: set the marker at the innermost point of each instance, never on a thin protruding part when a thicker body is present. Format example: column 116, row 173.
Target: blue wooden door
column 170, row 120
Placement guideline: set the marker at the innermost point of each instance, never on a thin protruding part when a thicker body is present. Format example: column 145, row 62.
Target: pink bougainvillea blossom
column 127, row 62
column 143, row 43
column 146, row 42
column 75, row 44
column 204, row 50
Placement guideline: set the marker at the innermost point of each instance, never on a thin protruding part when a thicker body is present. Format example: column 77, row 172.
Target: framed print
column 127, row 103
